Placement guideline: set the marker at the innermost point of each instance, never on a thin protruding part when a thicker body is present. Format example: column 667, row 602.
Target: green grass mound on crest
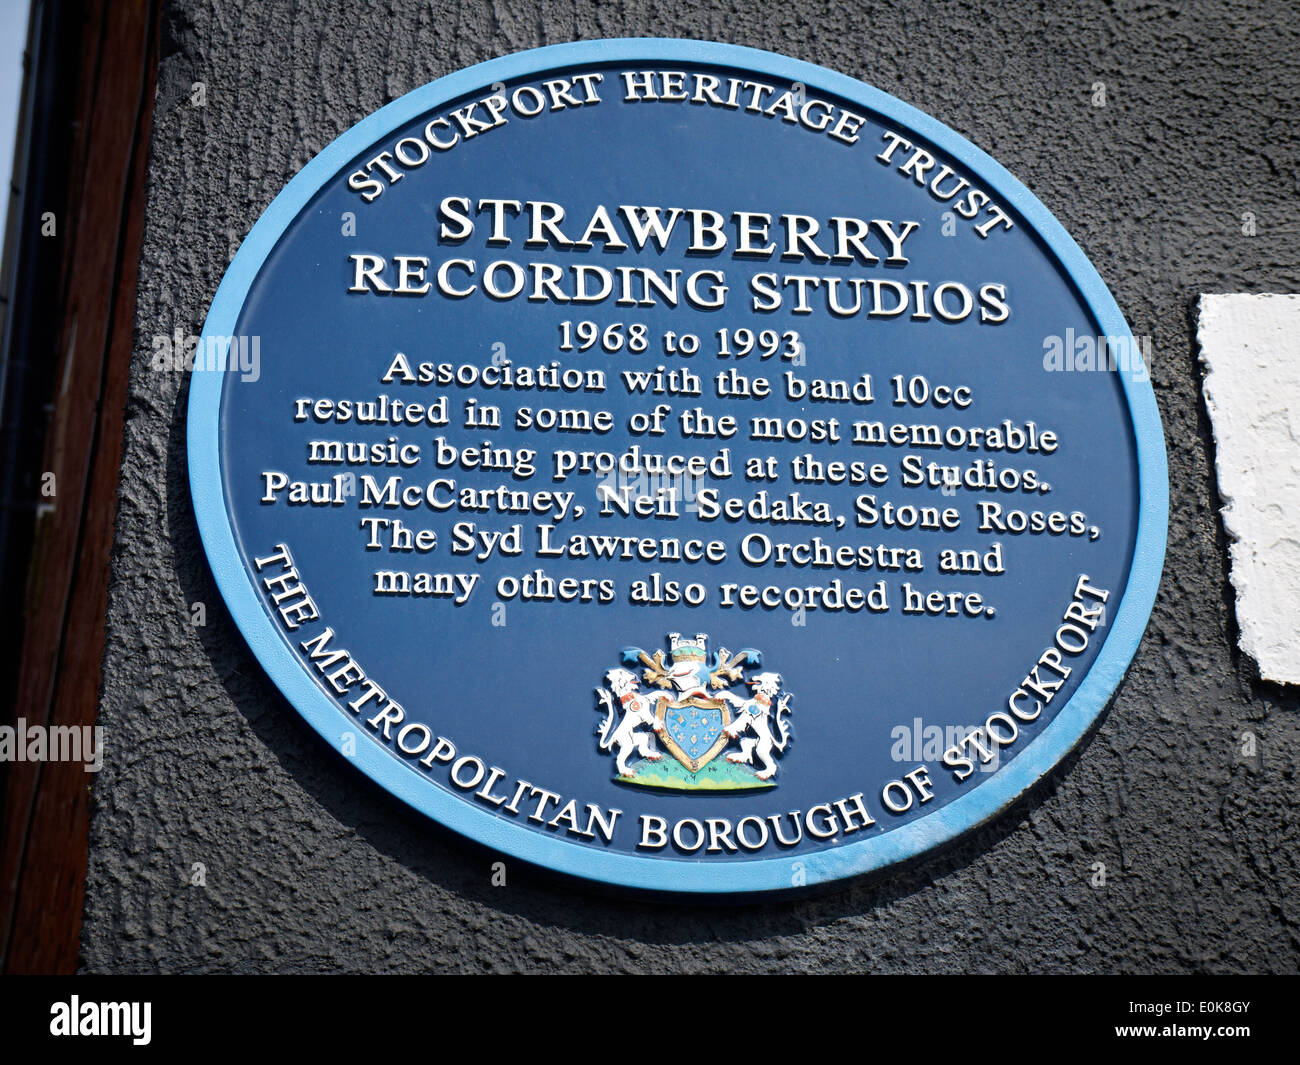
column 718, row 775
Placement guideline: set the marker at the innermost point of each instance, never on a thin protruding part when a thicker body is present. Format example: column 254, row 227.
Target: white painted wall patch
column 1250, row 347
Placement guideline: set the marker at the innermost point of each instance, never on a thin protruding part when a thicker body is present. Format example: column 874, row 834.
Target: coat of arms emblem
column 692, row 711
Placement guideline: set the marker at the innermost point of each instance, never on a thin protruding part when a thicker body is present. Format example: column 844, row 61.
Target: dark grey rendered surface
column 308, row 866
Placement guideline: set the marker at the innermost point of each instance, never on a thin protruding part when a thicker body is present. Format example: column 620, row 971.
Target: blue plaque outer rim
column 673, row 874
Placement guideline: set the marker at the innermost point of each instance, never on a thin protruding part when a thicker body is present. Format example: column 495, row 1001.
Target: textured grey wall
column 310, row 867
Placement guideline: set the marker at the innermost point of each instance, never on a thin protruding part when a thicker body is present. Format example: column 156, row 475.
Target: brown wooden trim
column 46, row 812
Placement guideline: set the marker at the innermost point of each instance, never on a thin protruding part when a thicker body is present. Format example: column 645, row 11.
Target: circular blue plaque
column 678, row 466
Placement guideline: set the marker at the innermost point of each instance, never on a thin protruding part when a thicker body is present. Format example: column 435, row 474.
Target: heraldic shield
column 695, row 717
column 693, row 729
